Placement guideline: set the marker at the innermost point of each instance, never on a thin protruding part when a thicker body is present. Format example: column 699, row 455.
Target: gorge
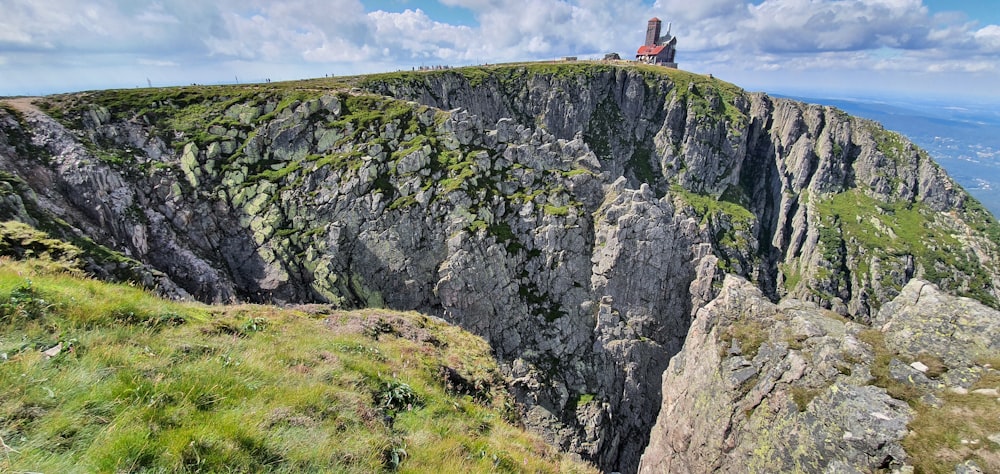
column 596, row 223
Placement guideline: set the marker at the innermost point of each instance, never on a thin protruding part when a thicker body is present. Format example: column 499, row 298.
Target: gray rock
column 569, row 219
column 925, row 320
column 714, row 422
column 968, row 467
column 903, row 373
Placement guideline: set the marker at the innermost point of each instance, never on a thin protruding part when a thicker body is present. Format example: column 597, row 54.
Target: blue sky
column 985, row 11
column 861, row 48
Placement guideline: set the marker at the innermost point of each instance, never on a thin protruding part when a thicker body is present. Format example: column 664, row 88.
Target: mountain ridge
column 576, row 215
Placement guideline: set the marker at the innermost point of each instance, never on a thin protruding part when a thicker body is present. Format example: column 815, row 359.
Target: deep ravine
column 577, row 216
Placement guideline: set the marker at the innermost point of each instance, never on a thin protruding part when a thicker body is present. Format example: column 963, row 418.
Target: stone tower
column 653, row 31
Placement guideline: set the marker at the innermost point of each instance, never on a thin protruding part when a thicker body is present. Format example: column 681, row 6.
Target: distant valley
column 962, row 137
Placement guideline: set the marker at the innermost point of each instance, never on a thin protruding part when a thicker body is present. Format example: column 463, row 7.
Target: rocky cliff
column 575, row 215
column 790, row 387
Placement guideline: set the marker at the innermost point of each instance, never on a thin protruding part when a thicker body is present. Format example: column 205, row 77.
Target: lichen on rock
column 580, row 217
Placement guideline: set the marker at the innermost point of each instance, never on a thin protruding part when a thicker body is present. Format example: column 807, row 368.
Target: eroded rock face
column 501, row 239
column 763, row 387
column 576, row 220
column 923, row 319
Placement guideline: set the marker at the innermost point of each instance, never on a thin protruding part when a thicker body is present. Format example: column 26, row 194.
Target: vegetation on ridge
column 873, row 229
column 950, row 426
column 99, row 378
column 56, row 237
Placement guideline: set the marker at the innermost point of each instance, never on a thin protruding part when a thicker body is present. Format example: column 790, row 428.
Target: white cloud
column 272, row 31
column 157, row 16
column 13, row 35
column 840, row 25
column 338, row 50
column 836, row 37
column 988, row 38
column 972, row 67
column 413, row 34
column 157, row 63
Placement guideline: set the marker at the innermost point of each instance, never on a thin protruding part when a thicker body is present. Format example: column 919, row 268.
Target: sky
column 864, row 48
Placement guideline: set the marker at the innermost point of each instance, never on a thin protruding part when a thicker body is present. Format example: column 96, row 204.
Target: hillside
column 579, row 217
column 108, row 378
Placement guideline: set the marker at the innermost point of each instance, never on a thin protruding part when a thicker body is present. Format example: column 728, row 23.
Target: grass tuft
column 96, row 377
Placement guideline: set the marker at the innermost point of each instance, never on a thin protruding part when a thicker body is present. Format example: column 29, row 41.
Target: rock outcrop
column 761, row 387
column 576, row 216
column 790, row 387
column 826, row 192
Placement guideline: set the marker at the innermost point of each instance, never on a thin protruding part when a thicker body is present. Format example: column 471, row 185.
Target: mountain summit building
column 658, row 49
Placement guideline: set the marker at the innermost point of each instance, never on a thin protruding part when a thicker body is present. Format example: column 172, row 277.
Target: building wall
column 652, row 32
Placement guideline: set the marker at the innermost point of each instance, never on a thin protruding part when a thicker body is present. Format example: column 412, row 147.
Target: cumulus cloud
column 836, row 35
column 757, row 35
column 804, row 25
column 988, row 38
column 65, row 27
column 413, row 34
column 297, row 28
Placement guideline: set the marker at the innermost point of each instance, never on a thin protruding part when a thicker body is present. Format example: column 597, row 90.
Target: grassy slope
column 146, row 385
column 956, row 431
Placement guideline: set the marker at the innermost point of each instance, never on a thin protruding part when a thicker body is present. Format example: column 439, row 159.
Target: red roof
column 654, row 19
column 650, row 50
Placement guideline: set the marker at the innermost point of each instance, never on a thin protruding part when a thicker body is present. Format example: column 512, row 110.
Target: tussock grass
column 941, row 437
column 880, row 367
column 140, row 384
column 750, row 334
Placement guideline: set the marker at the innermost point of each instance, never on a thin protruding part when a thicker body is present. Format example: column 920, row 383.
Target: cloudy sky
column 864, row 48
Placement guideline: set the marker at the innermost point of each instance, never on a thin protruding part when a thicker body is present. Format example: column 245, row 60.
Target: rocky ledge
column 791, row 387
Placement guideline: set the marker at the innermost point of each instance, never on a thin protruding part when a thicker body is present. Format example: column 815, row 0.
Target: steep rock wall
column 804, row 172
column 762, row 387
column 492, row 228
column 576, row 217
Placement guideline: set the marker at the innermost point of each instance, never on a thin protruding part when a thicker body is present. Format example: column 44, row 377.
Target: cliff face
column 802, row 171
column 790, row 387
column 576, row 216
column 766, row 388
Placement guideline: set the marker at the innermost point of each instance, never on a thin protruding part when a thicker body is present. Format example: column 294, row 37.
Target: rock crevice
column 580, row 219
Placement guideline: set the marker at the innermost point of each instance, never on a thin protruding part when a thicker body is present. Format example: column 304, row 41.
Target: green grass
column 582, row 399
column 880, row 367
column 749, row 333
column 935, row 443
column 935, row 435
column 21, row 241
column 146, row 385
column 55, row 239
column 792, row 275
column 700, row 91
column 707, row 206
column 731, row 223
column 803, row 395
column 890, row 230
